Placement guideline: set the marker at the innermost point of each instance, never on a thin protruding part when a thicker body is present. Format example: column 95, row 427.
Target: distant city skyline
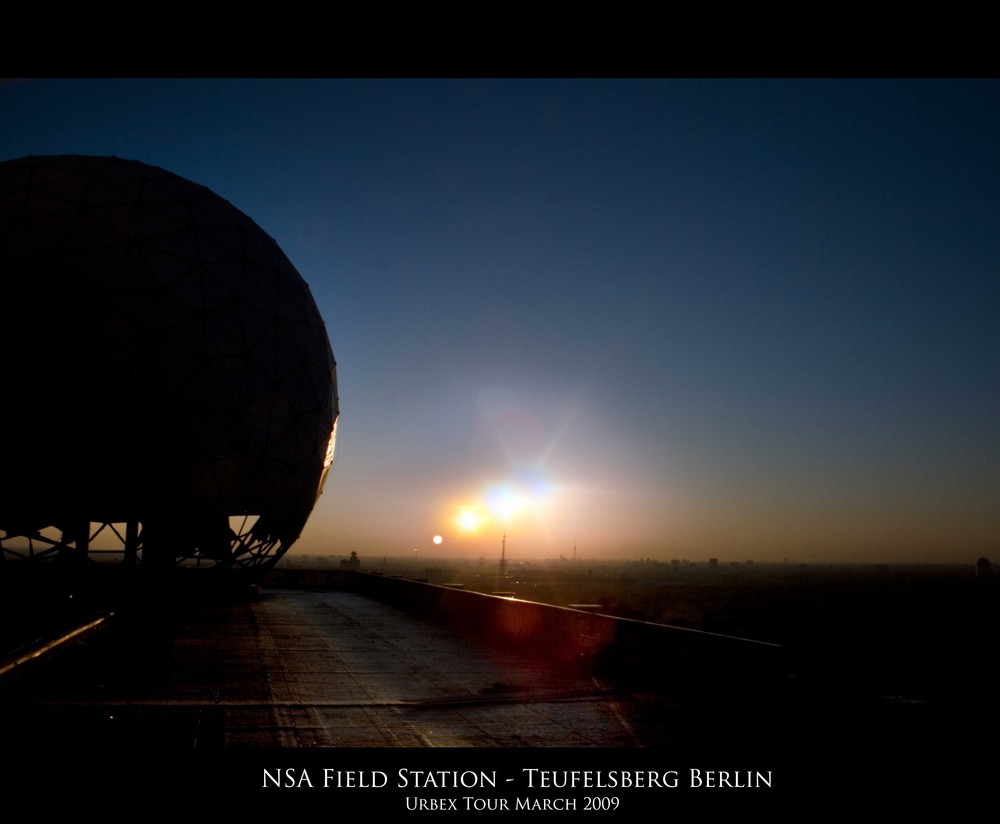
column 748, row 318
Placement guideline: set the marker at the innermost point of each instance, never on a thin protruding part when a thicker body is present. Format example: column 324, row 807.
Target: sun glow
column 469, row 518
column 501, row 504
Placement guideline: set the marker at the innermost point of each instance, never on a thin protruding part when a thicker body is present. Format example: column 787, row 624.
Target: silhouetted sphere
column 162, row 358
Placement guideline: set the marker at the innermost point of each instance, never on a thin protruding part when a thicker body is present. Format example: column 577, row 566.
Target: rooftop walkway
column 301, row 668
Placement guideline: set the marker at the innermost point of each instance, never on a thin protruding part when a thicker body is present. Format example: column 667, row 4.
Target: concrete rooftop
column 308, row 669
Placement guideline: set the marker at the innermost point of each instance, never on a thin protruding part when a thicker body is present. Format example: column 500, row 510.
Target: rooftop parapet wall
column 635, row 650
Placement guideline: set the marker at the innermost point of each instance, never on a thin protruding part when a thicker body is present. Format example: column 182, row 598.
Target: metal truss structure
column 123, row 542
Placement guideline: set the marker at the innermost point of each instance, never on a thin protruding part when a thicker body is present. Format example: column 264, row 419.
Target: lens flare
column 505, row 501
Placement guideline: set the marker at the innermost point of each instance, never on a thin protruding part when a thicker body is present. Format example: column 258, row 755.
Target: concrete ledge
column 639, row 652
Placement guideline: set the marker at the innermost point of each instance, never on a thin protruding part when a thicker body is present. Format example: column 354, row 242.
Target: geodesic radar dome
column 163, row 363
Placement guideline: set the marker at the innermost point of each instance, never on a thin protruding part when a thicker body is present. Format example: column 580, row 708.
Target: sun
column 468, row 519
column 437, row 539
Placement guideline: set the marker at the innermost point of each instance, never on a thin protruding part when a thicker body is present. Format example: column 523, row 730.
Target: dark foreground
column 893, row 706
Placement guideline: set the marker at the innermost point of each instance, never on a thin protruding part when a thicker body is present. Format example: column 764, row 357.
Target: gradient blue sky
column 679, row 318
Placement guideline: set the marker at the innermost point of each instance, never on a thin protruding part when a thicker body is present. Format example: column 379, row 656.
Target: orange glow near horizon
column 517, row 503
column 470, row 519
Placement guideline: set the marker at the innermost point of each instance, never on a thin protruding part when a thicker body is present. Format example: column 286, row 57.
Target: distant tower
column 503, row 555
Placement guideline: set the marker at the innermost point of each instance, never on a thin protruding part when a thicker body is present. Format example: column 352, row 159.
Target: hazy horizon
column 743, row 319
column 369, row 563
